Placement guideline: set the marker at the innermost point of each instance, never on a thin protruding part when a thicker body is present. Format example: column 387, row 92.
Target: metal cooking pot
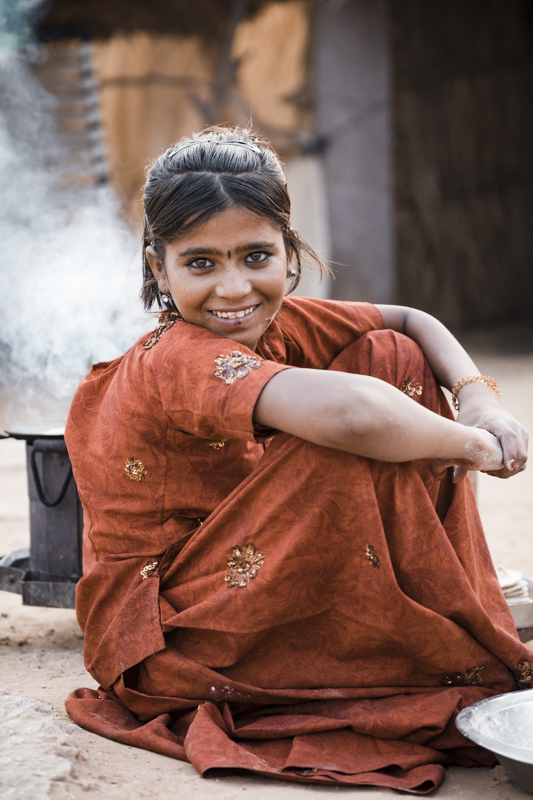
column 47, row 574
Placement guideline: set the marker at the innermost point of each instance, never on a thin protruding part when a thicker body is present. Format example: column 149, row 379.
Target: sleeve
column 316, row 331
column 208, row 384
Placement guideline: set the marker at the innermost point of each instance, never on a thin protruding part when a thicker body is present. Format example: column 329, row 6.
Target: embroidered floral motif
column 217, row 445
column 149, row 569
column 372, row 556
column 244, row 565
column 410, row 389
column 166, row 321
column 524, row 674
column 234, row 366
column 134, row 469
column 472, row 677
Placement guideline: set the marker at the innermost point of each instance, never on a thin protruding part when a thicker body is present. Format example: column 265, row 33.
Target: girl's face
column 228, row 275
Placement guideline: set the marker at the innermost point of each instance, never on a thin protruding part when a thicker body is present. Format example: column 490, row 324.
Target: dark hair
column 205, row 174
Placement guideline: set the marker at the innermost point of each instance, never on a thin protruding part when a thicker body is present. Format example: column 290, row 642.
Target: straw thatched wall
column 463, row 81
column 156, row 89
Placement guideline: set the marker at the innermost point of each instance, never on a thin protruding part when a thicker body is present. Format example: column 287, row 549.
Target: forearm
column 448, row 360
column 390, row 427
column 361, row 415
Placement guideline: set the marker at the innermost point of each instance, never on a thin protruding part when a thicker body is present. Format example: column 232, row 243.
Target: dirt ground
column 43, row 755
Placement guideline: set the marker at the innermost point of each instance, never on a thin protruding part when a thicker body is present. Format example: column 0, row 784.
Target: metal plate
column 40, row 430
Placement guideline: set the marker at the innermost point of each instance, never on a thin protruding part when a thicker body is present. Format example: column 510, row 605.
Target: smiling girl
column 284, row 570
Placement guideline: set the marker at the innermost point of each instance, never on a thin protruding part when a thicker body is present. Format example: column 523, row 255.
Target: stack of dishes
column 516, row 591
column 514, row 586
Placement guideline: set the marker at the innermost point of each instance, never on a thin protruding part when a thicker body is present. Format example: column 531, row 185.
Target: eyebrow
column 213, row 251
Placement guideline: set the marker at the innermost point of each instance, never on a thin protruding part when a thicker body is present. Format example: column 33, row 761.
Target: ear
column 157, row 265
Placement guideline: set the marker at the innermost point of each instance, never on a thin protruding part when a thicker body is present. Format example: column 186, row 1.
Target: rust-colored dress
column 288, row 609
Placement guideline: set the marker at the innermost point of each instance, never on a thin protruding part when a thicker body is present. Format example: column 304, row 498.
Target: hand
column 512, row 436
column 483, row 453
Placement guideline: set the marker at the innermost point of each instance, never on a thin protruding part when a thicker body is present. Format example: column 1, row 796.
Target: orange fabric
column 375, row 589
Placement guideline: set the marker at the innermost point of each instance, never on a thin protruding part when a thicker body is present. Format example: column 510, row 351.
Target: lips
column 238, row 314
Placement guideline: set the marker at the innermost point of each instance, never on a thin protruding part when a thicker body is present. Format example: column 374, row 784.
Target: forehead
column 228, row 229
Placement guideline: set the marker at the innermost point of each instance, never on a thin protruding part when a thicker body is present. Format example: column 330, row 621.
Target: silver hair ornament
column 218, row 141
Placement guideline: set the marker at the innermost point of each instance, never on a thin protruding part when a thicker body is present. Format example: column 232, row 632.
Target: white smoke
column 69, row 267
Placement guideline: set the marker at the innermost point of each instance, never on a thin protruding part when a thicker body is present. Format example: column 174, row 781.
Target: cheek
column 273, row 290
column 187, row 294
column 277, row 279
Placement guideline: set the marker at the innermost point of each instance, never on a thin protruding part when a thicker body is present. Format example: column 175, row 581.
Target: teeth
column 234, row 314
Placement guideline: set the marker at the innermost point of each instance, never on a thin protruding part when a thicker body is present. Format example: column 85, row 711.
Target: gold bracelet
column 491, row 383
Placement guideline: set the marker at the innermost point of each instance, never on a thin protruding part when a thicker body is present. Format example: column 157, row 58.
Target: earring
column 168, row 300
column 292, row 273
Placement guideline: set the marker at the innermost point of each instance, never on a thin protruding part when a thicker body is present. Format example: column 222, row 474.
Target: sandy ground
column 42, row 755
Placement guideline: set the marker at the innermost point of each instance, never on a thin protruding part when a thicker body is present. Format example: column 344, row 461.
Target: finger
column 516, row 469
column 510, row 449
column 438, row 470
column 521, row 459
column 501, row 473
column 459, row 474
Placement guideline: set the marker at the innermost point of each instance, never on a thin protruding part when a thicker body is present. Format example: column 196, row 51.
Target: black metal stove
column 47, row 574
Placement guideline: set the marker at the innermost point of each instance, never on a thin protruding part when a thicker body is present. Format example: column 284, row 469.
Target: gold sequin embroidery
column 244, row 565
column 234, row 366
column 217, row 444
column 524, row 674
column 472, row 677
column 410, row 389
column 134, row 469
column 149, row 569
column 371, row 556
column 166, row 321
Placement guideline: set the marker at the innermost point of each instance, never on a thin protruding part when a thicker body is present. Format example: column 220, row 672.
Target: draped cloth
column 325, row 623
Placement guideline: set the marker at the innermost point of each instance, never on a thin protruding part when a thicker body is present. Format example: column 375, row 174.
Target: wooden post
column 354, row 116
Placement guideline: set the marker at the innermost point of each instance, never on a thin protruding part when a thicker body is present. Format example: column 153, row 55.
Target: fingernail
column 511, row 464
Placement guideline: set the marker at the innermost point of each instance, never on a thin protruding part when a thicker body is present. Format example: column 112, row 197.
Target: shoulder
column 314, row 331
column 366, row 314
column 178, row 344
column 300, row 316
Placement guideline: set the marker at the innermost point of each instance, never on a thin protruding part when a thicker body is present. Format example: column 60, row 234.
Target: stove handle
column 49, row 446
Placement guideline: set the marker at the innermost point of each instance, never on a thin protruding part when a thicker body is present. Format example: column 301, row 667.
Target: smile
column 243, row 312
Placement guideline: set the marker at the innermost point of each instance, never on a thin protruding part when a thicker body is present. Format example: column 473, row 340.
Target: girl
column 284, row 570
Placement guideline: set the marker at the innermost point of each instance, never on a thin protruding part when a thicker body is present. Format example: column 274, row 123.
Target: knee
column 383, row 354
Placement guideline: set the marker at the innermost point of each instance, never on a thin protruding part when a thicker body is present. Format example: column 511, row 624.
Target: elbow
column 361, row 419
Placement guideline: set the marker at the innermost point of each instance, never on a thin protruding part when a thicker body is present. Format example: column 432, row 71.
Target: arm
column 479, row 406
column 366, row 416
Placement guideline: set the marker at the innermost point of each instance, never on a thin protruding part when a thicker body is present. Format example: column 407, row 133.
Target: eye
column 201, row 263
column 257, row 258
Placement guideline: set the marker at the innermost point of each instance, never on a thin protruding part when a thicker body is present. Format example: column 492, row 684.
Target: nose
column 234, row 283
